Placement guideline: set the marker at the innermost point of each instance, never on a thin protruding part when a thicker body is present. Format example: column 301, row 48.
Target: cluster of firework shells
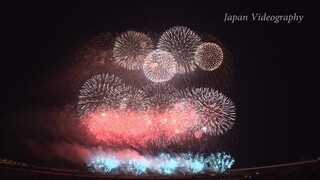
column 164, row 163
column 178, row 50
column 158, row 113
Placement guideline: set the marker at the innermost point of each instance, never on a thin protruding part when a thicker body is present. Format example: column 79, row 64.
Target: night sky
column 275, row 85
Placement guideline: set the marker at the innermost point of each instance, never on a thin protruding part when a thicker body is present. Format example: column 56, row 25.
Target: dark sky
column 275, row 82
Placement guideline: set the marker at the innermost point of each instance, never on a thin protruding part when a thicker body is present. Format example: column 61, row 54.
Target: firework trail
column 98, row 48
column 130, row 49
column 182, row 43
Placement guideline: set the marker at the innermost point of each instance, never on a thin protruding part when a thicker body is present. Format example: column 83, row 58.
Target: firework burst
column 133, row 112
column 131, row 162
column 142, row 129
column 220, row 161
column 173, row 125
column 134, row 99
column 216, row 111
column 162, row 95
column 130, row 49
column 209, row 56
column 182, row 43
column 159, row 66
column 100, row 91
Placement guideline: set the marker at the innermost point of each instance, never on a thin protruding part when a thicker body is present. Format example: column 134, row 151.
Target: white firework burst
column 216, row 111
column 101, row 91
column 130, row 49
column 182, row 43
column 209, row 56
column 159, row 66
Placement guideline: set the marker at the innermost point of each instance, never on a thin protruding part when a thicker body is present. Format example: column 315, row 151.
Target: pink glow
column 140, row 128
